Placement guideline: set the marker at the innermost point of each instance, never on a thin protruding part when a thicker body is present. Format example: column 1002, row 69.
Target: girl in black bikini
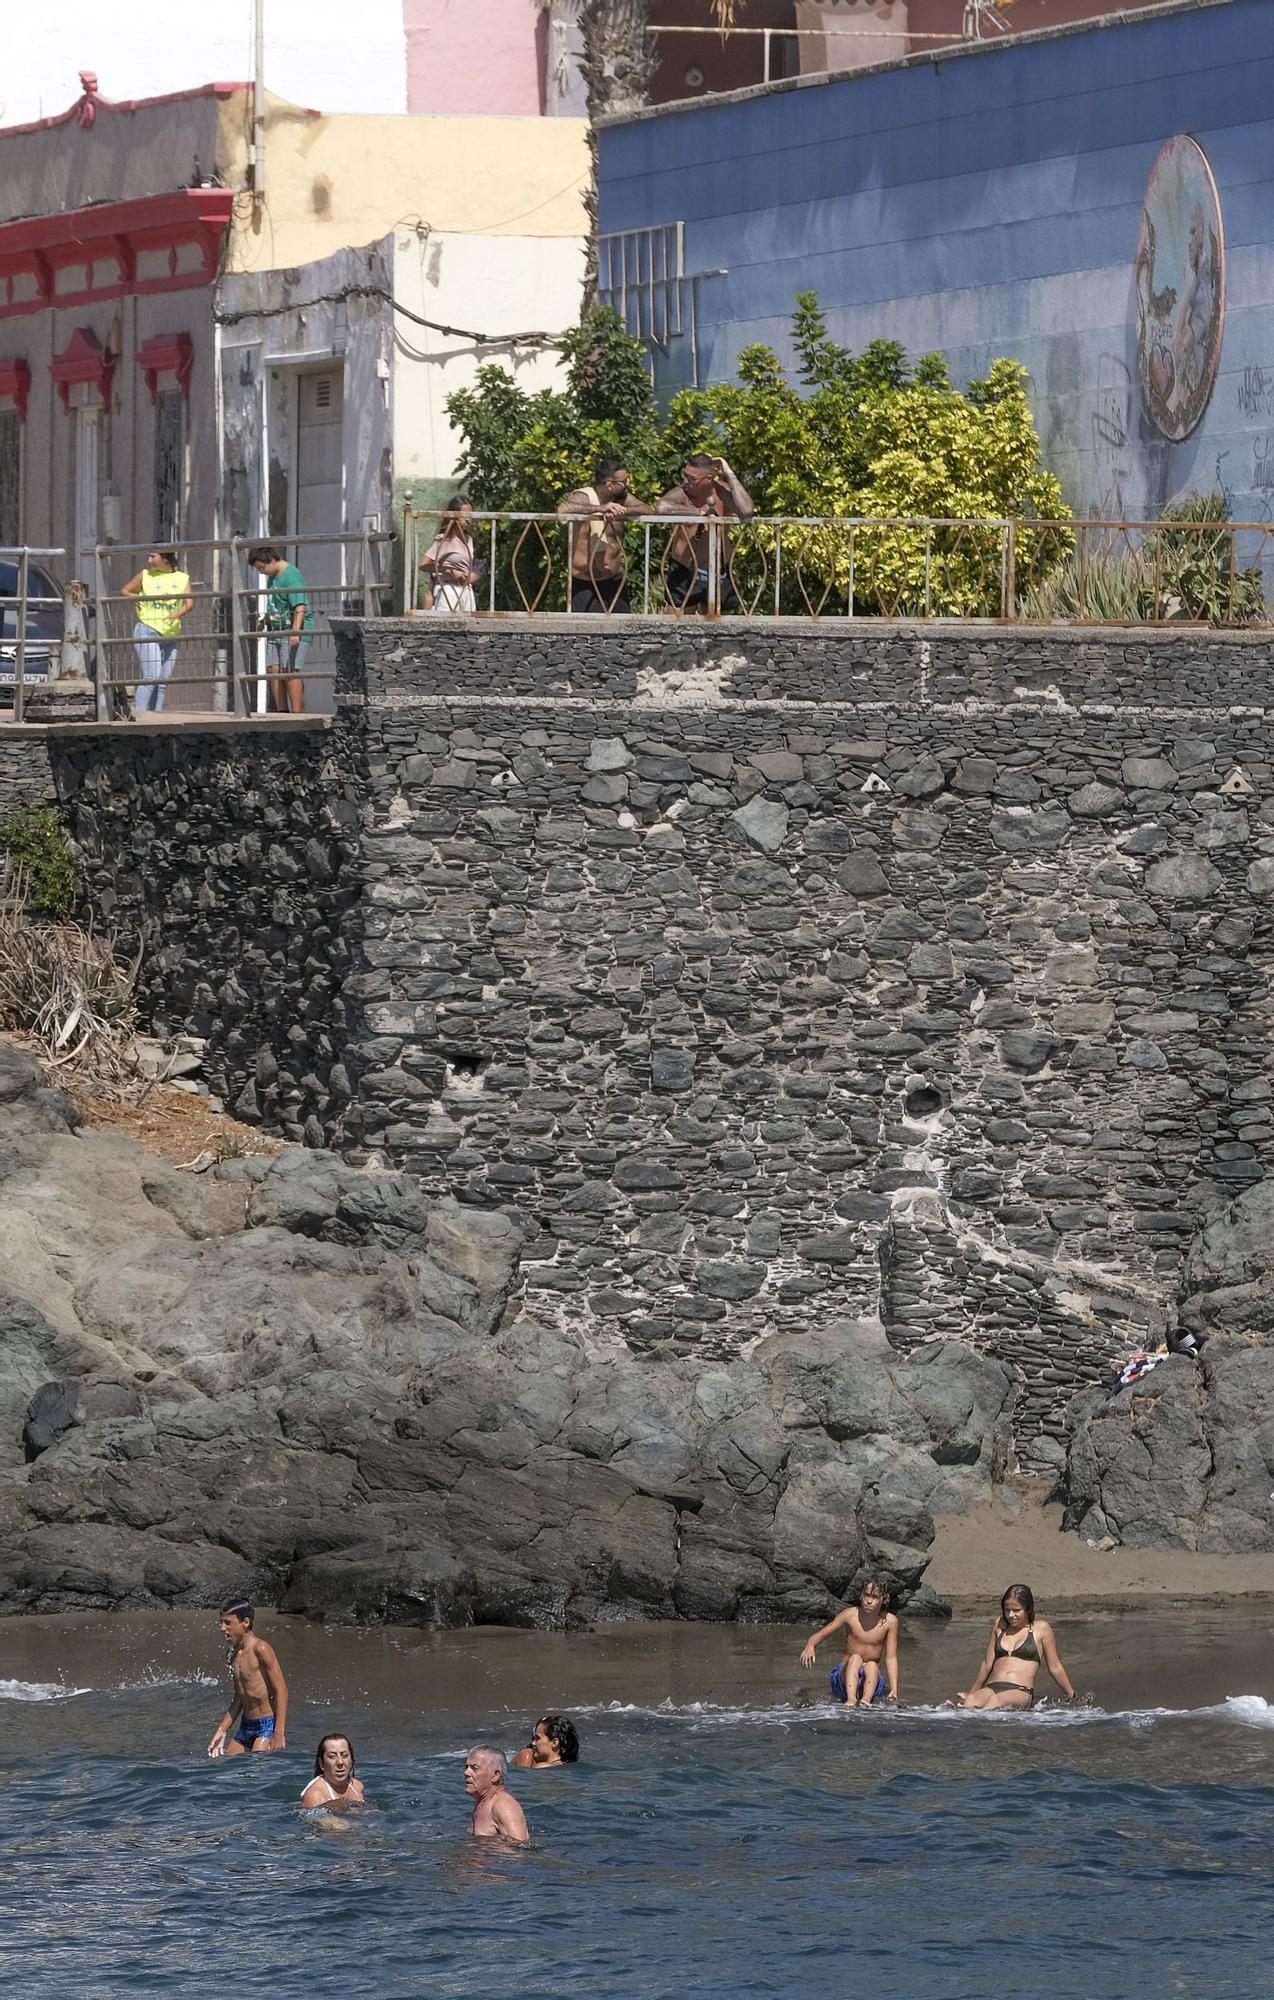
column 1019, row 1645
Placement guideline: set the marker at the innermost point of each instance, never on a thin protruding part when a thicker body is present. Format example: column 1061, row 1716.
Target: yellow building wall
column 334, row 182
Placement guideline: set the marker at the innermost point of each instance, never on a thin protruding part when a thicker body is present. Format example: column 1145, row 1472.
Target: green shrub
column 34, row 839
column 870, row 436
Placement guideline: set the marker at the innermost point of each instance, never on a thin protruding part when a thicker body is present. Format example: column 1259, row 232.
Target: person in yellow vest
column 163, row 599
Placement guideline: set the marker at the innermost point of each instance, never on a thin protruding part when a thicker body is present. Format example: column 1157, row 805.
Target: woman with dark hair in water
column 333, row 1783
column 553, row 1741
column 1020, row 1644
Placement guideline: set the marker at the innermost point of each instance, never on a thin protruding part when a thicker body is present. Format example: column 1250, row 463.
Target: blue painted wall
column 989, row 204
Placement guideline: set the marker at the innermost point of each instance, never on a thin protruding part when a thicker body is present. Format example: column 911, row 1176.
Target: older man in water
column 495, row 1810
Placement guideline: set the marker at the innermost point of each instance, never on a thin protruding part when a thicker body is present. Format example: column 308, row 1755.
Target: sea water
column 726, row 1832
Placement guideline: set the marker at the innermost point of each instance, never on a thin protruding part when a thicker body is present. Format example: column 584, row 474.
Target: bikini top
column 1028, row 1650
column 330, row 1793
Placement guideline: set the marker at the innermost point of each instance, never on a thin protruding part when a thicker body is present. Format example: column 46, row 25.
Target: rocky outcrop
column 320, row 1383
column 1185, row 1458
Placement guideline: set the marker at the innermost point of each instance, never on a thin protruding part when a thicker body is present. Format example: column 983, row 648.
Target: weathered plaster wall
column 987, row 202
column 492, row 285
column 126, row 445
column 119, row 156
column 277, row 323
column 337, row 181
column 775, row 974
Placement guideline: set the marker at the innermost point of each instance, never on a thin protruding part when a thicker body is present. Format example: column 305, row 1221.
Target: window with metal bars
column 170, row 407
column 10, row 479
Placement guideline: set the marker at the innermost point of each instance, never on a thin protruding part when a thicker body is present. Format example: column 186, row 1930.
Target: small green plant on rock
column 34, row 840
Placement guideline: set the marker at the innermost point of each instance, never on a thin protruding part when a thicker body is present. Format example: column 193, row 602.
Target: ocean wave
column 1252, row 1711
column 143, row 1683
column 1249, row 1709
column 38, row 1691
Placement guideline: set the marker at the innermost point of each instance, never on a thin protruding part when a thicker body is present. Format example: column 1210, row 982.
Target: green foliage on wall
column 34, row 839
column 867, row 435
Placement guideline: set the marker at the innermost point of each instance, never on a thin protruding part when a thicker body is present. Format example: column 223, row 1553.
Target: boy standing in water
column 260, row 1691
column 870, row 1666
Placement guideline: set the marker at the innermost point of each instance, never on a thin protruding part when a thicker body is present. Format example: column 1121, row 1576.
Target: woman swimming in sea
column 1020, row 1644
column 334, row 1783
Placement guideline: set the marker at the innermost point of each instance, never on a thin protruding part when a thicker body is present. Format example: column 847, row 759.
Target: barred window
column 169, row 463
column 10, row 479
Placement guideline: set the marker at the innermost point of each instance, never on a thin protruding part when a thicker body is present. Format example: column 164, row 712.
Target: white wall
column 493, row 285
column 320, row 53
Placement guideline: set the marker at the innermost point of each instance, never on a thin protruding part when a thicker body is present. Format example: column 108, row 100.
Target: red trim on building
column 90, row 103
column 75, row 112
column 113, row 233
column 15, row 381
column 83, row 359
column 167, row 354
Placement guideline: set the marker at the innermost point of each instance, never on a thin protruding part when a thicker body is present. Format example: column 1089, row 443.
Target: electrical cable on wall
column 378, row 292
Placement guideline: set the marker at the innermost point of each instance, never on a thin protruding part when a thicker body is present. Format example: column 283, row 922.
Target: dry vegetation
column 71, row 999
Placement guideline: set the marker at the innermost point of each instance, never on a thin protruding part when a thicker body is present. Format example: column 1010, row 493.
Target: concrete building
column 168, row 309
column 1095, row 201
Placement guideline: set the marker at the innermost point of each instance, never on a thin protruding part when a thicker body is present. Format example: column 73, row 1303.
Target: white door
column 320, row 475
column 320, row 510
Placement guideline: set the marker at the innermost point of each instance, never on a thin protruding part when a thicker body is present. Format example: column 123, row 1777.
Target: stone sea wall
column 768, row 975
column 774, row 974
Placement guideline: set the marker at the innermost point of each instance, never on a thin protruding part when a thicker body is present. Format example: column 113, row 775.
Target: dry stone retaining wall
column 768, row 975
column 776, row 974
column 229, row 854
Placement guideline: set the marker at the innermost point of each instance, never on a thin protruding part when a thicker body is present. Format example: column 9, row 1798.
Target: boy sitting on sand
column 870, row 1666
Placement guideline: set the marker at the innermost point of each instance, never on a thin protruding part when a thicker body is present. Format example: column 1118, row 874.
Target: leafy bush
column 34, row 841
column 865, row 435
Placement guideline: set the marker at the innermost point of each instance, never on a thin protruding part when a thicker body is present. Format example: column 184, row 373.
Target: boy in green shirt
column 287, row 619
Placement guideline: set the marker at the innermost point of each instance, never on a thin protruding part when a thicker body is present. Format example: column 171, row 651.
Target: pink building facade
column 521, row 57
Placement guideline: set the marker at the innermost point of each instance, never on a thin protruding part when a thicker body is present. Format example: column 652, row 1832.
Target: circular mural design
column 1180, row 285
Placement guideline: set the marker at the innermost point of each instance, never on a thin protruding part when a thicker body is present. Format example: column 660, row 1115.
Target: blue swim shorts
column 837, row 1679
column 253, row 1726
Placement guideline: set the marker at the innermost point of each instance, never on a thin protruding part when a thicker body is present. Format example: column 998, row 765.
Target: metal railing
column 20, row 647
column 1070, row 572
column 221, row 658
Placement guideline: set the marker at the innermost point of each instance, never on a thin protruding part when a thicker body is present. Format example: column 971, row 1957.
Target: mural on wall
column 1180, row 286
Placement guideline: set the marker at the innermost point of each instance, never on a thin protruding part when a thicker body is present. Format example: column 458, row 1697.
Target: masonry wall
column 781, row 973
column 770, row 974
column 228, row 853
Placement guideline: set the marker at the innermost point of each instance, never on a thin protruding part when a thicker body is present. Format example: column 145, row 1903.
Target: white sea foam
column 62, row 1691
column 1249, row 1710
column 154, row 1679
column 38, row 1691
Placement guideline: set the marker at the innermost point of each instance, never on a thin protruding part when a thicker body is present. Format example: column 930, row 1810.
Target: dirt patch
column 177, row 1125
column 172, row 1123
